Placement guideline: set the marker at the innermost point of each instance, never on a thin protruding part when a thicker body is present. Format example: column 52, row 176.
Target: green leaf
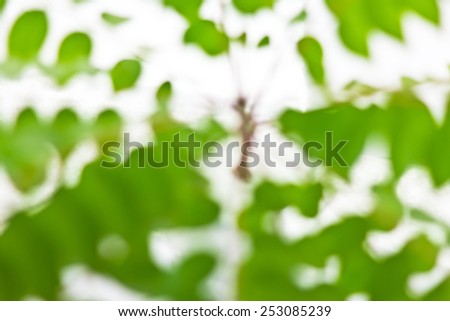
column 188, row 9
column 113, row 20
column 358, row 18
column 2, row 5
column 405, row 123
column 66, row 131
column 426, row 9
column 206, row 35
column 107, row 127
column 264, row 42
column 183, row 284
column 44, row 140
column 386, row 15
column 440, row 293
column 252, row 6
column 269, row 197
column 242, row 39
column 388, row 210
column 164, row 94
column 312, row 53
column 409, row 128
column 422, row 216
column 28, row 35
column 419, row 255
column 26, row 166
column 341, row 122
column 125, row 74
column 75, row 48
column 73, row 57
column 301, row 17
column 438, row 157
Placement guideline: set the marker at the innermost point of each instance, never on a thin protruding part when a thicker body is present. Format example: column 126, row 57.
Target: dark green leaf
column 242, row 39
column 264, row 42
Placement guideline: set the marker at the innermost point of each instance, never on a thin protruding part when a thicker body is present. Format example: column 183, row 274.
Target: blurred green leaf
column 405, row 123
column 73, row 57
column 358, row 18
column 409, row 128
column 427, row 9
column 252, row 6
column 164, row 94
column 439, row 293
column 438, row 157
column 27, row 35
column 242, row 39
column 205, row 34
column 25, row 152
column 312, row 53
column 184, row 281
column 188, row 9
column 269, row 197
column 125, row 74
column 66, row 131
column 388, row 210
column 27, row 148
column 113, row 20
column 108, row 127
column 264, row 42
column 391, row 277
column 343, row 122
column 302, row 16
column 356, row 89
column 262, row 279
column 421, row 216
column 75, row 47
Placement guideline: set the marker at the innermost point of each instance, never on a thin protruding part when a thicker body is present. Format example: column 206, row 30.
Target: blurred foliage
column 405, row 124
column 359, row 18
column 27, row 146
column 104, row 222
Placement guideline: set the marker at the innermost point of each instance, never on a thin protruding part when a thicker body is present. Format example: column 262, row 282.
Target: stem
column 247, row 131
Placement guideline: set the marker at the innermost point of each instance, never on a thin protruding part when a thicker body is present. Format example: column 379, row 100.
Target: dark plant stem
column 247, row 131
